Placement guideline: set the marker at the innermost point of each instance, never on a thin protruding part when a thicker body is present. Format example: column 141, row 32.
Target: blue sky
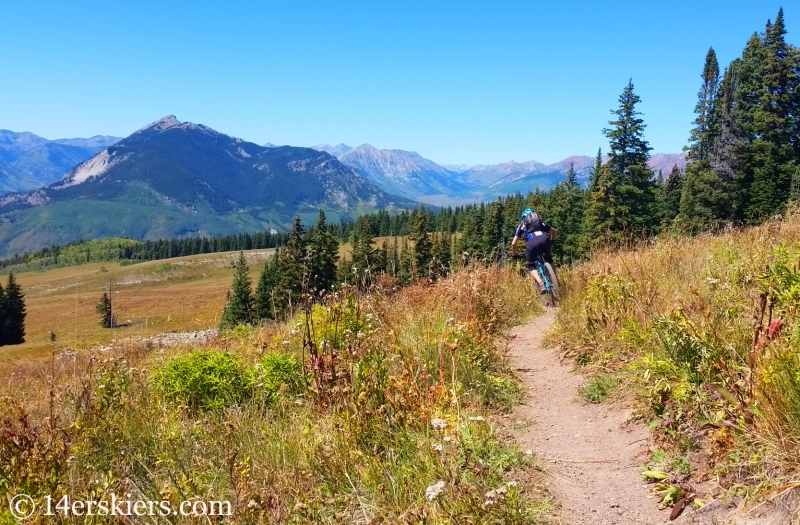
column 458, row 82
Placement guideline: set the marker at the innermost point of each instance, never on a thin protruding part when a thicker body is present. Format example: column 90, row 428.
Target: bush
column 205, row 380
column 282, row 372
column 597, row 389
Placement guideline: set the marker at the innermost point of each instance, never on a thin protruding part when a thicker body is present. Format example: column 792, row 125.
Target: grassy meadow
column 171, row 295
column 378, row 407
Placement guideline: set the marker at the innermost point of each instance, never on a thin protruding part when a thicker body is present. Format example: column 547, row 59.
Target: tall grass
column 355, row 411
column 706, row 330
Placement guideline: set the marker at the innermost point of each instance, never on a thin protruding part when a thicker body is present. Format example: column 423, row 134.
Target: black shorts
column 538, row 244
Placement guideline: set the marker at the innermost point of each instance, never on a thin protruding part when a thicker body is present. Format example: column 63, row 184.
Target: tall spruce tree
column 773, row 162
column 323, row 252
column 106, row 312
column 239, row 306
column 622, row 205
column 493, row 231
column 268, row 281
column 12, row 313
column 294, row 270
column 672, row 190
column 422, row 243
column 702, row 136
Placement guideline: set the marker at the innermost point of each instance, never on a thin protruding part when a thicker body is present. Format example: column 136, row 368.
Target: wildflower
column 438, row 424
column 447, row 439
column 432, row 492
column 476, row 418
column 438, row 447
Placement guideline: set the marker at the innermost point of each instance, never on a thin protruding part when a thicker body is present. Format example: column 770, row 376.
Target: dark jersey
column 521, row 230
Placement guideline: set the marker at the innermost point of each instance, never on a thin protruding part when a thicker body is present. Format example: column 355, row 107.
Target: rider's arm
column 514, row 244
column 553, row 233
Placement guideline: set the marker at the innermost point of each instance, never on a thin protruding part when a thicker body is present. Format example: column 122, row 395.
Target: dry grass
column 676, row 319
column 173, row 295
column 359, row 443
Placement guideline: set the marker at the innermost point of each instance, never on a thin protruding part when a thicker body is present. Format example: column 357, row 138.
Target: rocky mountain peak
column 160, row 125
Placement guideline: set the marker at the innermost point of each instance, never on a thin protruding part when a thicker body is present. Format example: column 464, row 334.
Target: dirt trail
column 590, row 452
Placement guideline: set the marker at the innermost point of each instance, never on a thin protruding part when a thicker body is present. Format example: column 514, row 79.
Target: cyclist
column 539, row 236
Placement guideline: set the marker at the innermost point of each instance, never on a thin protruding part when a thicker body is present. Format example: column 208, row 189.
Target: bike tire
column 554, row 290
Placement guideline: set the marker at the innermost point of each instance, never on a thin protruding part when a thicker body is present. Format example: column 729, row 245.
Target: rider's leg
column 537, row 278
column 531, row 249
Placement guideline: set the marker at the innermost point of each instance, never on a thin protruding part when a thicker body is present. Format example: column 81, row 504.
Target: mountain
column 337, row 151
column 37, row 161
column 174, row 179
column 406, row 173
column 665, row 161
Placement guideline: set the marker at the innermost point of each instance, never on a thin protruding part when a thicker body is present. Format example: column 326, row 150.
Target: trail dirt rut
column 590, row 451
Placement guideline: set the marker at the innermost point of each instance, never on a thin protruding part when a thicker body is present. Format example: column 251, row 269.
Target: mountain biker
column 539, row 236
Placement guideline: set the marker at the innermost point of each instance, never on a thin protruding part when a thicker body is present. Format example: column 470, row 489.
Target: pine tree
column 672, row 189
column 323, row 252
column 773, row 161
column 14, row 301
column 105, row 310
column 264, row 300
column 294, row 270
column 493, row 231
column 628, row 147
column 422, row 243
column 364, row 257
column 702, row 136
column 239, row 307
column 623, row 201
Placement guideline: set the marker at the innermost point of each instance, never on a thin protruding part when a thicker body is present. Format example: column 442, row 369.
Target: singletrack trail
column 590, row 451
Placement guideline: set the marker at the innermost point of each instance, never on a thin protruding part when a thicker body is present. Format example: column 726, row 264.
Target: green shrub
column 282, row 372
column 205, row 380
column 597, row 389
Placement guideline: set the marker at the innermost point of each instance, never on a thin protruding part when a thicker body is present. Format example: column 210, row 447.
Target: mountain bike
column 548, row 275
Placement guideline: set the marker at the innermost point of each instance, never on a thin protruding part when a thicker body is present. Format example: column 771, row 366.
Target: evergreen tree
column 571, row 230
column 105, row 310
column 602, row 224
column 268, row 281
column 772, row 150
column 239, row 307
column 672, row 190
column 422, row 243
column 628, row 148
column 13, row 309
column 294, row 270
column 323, row 252
column 622, row 204
column 493, row 231
column 702, row 136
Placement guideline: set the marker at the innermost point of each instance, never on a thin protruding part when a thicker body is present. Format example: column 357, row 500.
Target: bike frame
column 540, row 268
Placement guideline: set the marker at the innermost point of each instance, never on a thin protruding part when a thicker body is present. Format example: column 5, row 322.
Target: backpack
column 532, row 222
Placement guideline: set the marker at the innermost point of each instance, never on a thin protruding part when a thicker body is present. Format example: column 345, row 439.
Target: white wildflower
column 476, row 418
column 432, row 492
column 447, row 439
column 438, row 447
column 438, row 424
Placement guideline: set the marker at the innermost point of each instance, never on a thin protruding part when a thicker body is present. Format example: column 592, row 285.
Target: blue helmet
column 525, row 212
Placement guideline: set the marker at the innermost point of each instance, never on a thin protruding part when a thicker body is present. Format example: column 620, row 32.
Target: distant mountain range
column 408, row 174
column 28, row 161
column 172, row 179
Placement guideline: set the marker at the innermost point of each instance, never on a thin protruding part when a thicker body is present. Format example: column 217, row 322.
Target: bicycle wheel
column 551, row 276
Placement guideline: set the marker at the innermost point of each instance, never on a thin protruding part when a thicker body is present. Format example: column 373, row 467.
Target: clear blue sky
column 458, row 82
